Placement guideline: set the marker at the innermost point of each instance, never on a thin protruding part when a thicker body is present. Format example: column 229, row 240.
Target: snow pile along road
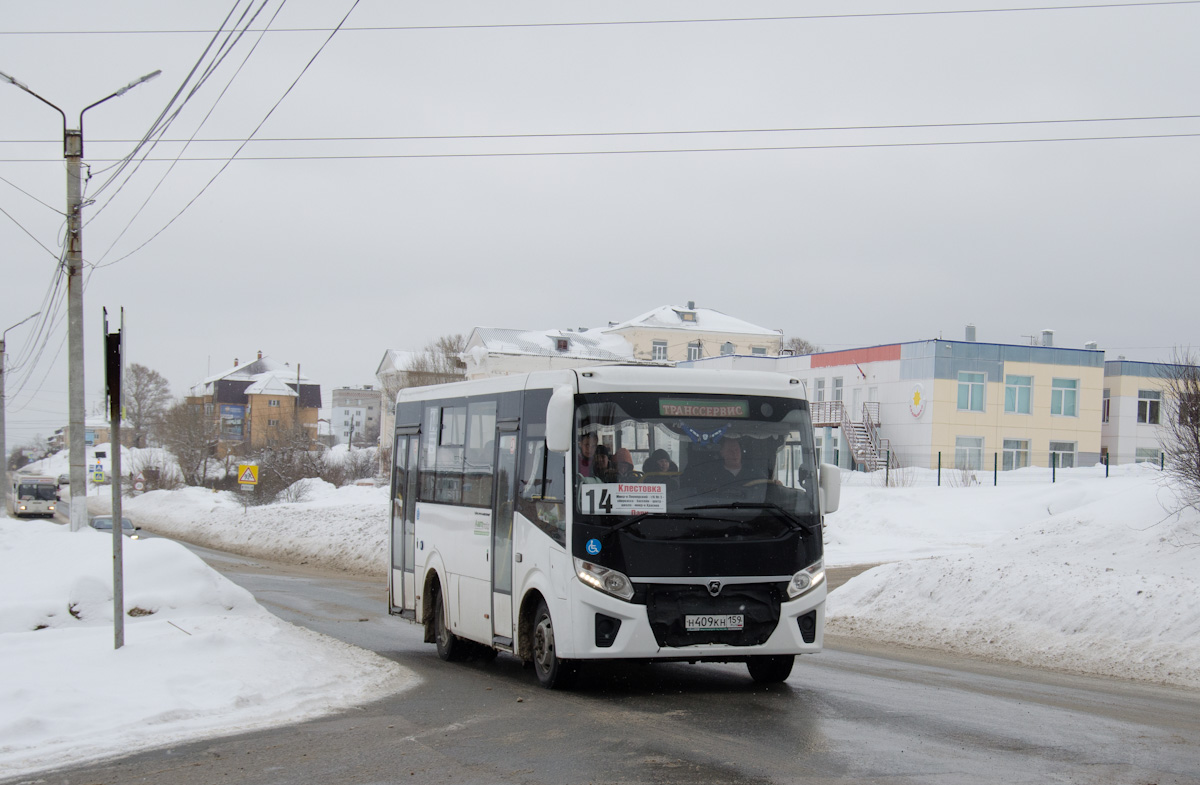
column 201, row 657
column 1106, row 582
column 339, row 528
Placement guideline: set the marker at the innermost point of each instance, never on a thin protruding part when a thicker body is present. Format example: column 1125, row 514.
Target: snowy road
column 851, row 714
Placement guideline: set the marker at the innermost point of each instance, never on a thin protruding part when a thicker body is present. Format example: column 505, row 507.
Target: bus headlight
column 604, row 579
column 807, row 578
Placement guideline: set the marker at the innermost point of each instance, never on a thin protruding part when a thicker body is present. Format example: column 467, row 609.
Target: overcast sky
column 326, row 253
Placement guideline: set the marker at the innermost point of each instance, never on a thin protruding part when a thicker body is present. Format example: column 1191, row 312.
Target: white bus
column 33, row 495
column 510, row 533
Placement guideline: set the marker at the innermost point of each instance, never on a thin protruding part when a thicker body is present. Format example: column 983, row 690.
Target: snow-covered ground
column 1088, row 574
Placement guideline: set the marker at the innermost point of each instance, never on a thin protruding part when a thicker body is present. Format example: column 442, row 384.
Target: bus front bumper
column 606, row 627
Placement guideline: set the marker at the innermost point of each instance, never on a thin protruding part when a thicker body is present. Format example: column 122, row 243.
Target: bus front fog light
column 806, row 579
column 604, row 579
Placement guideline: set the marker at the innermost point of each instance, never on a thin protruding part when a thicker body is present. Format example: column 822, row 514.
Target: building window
column 970, row 391
column 820, row 389
column 272, row 423
column 658, row 350
column 1062, row 454
column 758, row 350
column 1064, row 397
column 837, row 388
column 1016, row 454
column 1147, row 455
column 272, row 402
column 727, row 348
column 1018, row 392
column 968, row 452
column 1105, row 406
column 694, row 351
column 1149, row 406
column 208, row 408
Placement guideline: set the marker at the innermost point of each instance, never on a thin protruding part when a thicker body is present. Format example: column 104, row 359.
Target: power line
column 680, row 132
column 162, row 129
column 26, row 231
column 634, row 22
column 778, row 148
column 231, row 158
column 31, row 196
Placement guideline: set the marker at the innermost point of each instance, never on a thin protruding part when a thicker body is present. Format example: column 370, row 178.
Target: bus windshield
column 692, row 462
column 36, row 492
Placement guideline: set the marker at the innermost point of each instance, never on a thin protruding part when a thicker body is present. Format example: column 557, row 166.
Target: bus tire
column 770, row 669
column 449, row 646
column 551, row 671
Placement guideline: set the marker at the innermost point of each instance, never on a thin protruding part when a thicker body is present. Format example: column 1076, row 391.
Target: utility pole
column 3, row 446
column 77, row 415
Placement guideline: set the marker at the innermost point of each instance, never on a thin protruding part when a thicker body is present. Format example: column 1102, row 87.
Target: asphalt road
column 854, row 713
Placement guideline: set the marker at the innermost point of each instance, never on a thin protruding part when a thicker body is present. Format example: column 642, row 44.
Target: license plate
column 713, row 623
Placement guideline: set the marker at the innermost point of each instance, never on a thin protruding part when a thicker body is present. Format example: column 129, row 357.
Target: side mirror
column 559, row 414
column 831, row 488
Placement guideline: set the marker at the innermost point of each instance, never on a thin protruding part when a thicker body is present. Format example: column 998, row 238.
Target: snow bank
column 201, row 657
column 1104, row 581
column 339, row 528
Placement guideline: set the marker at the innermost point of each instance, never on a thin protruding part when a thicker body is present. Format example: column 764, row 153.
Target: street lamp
column 3, row 446
column 73, row 153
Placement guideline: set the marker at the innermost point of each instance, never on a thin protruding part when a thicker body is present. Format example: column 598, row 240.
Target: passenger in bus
column 602, row 465
column 624, row 462
column 587, row 450
column 659, row 468
column 659, row 462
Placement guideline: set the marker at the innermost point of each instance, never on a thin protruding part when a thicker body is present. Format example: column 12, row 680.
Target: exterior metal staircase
column 869, row 450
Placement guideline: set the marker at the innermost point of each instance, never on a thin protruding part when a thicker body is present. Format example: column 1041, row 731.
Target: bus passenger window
column 541, row 491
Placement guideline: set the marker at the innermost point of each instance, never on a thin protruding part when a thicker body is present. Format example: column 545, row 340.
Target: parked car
column 64, row 479
column 104, row 523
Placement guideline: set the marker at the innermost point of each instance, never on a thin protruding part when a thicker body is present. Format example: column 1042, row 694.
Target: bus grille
column 758, row 604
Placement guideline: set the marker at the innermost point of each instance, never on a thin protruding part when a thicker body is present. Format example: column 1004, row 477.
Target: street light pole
column 73, row 153
column 3, row 446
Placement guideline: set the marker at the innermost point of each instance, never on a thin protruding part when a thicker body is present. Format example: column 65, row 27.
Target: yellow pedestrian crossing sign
column 247, row 474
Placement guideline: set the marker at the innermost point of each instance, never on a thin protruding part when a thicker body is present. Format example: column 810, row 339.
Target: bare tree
column 147, row 395
column 1181, row 424
column 289, row 456
column 799, row 346
column 438, row 362
column 191, row 437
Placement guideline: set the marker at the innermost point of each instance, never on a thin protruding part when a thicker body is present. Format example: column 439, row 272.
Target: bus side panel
column 541, row 557
column 461, row 537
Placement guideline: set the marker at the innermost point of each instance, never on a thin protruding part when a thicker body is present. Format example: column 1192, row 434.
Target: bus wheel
column 770, row 669
column 551, row 671
column 449, row 647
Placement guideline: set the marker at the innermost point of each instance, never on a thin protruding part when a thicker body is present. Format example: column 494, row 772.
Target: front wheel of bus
column 551, row 671
column 449, row 647
column 770, row 669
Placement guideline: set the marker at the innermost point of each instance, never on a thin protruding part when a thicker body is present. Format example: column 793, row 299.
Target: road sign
column 247, row 474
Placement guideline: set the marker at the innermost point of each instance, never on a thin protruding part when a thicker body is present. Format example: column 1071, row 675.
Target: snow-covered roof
column 395, row 360
column 252, row 371
column 676, row 317
column 270, row 384
column 589, row 345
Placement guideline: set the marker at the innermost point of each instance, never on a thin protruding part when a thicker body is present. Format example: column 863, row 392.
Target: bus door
column 403, row 523
column 504, row 505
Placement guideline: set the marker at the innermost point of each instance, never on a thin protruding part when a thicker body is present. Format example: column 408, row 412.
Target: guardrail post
column 939, row 468
column 995, row 469
column 1053, row 468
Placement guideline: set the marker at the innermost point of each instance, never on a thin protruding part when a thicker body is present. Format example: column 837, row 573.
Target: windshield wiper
column 789, row 517
column 675, row 516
